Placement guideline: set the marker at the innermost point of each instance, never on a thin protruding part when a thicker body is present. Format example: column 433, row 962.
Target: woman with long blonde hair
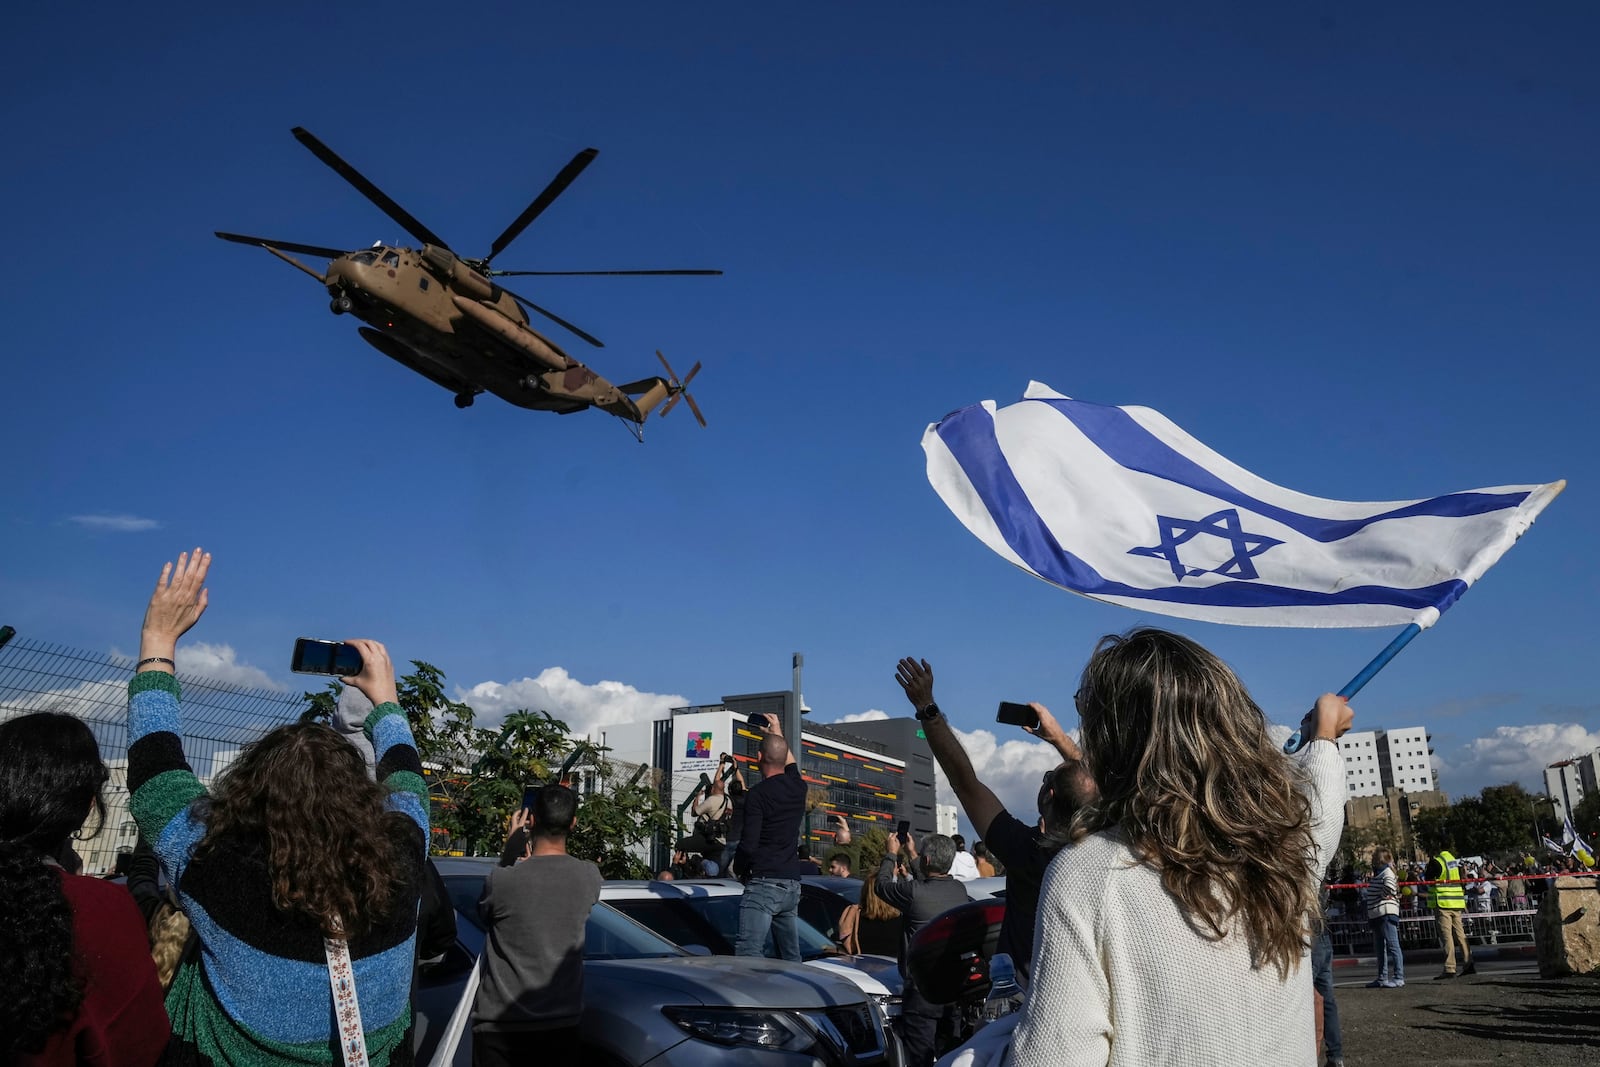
column 1175, row 926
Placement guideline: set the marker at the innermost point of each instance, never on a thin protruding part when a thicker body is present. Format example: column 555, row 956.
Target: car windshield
column 711, row 922
column 608, row 935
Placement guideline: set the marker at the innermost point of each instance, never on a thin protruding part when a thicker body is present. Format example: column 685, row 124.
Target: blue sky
column 1352, row 249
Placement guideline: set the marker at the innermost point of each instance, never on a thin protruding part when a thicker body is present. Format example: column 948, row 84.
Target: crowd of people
column 1162, row 903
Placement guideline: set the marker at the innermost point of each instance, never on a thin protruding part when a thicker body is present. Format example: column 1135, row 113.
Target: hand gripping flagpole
column 1354, row 686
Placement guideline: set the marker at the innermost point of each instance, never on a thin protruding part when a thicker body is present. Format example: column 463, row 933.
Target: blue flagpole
column 1366, row 675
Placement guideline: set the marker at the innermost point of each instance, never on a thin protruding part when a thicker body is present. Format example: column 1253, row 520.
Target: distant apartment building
column 944, row 819
column 1570, row 780
column 1379, row 760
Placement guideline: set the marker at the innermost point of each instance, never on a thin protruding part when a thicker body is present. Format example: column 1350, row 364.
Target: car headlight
column 743, row 1026
column 888, row 1005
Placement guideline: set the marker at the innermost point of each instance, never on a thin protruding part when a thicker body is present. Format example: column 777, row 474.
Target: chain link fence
column 218, row 720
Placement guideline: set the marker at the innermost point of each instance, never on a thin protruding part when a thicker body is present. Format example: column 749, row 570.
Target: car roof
column 638, row 889
column 848, row 887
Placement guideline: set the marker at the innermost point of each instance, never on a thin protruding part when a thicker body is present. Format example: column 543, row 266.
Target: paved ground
column 1504, row 1015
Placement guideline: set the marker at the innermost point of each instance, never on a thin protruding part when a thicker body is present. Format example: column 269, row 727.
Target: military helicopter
column 444, row 317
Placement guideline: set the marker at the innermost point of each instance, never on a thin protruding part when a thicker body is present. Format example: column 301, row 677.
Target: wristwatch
column 928, row 711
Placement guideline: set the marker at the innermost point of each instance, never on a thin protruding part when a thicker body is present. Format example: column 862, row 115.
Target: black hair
column 554, row 807
column 51, row 775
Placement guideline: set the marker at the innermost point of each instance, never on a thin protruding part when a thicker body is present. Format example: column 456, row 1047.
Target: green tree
column 477, row 776
column 1585, row 818
column 443, row 728
column 871, row 847
column 1508, row 816
column 1432, row 829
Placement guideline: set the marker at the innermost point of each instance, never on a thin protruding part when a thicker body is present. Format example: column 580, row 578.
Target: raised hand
column 1331, row 717
column 1049, row 729
column 180, row 598
column 376, row 679
column 916, row 678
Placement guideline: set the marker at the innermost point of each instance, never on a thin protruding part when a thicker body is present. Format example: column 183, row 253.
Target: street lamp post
column 1533, row 806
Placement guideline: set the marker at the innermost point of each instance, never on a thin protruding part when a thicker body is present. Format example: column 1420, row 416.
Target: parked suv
column 646, row 1001
column 704, row 913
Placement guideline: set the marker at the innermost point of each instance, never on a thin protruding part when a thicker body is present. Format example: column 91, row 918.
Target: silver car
column 646, row 1001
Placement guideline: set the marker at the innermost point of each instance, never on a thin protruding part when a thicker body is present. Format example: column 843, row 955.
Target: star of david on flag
column 1121, row 505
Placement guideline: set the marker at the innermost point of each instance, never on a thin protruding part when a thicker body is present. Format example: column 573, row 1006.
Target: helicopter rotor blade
column 366, row 188
column 680, row 389
column 553, row 317
column 701, row 419
column 577, row 273
column 672, row 375
column 287, row 246
column 557, row 186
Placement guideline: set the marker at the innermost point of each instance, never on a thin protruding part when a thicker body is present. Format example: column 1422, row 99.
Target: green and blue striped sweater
column 257, row 994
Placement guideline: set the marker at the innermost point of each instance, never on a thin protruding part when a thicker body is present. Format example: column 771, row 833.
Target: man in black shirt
column 765, row 859
column 1025, row 850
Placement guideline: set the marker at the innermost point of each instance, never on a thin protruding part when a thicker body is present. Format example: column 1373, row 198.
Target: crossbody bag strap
column 346, row 1008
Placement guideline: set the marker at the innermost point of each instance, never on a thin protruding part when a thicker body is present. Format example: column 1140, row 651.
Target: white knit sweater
column 1120, row 977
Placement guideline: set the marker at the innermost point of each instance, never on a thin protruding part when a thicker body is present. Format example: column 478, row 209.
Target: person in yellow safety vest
column 1449, row 903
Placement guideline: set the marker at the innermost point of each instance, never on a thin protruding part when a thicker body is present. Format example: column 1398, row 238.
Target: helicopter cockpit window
column 391, row 259
column 364, row 257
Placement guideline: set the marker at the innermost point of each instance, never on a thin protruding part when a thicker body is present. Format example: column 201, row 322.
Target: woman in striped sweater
column 294, row 853
column 1382, row 898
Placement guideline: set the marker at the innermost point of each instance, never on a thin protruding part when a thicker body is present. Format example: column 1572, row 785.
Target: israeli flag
column 1120, row 505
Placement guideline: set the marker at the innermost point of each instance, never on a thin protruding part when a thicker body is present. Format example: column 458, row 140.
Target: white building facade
column 1375, row 760
column 1570, row 780
column 1406, row 759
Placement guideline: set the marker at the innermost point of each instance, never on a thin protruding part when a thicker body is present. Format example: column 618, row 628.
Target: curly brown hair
column 332, row 845
column 1187, row 771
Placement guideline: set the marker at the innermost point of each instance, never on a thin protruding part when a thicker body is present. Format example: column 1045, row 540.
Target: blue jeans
column 1386, row 944
column 770, row 905
column 1322, row 982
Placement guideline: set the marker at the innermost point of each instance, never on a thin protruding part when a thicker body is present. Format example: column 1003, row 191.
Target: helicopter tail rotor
column 680, row 390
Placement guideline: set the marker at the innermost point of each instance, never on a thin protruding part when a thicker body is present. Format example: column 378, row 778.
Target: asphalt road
column 1504, row 1015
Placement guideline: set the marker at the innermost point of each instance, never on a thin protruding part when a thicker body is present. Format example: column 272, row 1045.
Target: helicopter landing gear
column 464, row 400
column 341, row 305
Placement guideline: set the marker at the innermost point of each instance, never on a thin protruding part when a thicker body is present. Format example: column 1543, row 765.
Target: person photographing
column 765, row 857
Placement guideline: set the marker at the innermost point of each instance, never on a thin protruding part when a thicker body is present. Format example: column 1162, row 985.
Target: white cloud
column 221, row 663
column 115, row 523
column 1513, row 754
column 1013, row 768
column 580, row 705
column 870, row 715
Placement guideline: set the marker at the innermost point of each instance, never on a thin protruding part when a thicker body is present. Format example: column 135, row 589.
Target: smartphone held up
column 312, row 656
column 1012, row 714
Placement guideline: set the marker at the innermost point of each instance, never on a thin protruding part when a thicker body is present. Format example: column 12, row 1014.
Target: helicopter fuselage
column 441, row 318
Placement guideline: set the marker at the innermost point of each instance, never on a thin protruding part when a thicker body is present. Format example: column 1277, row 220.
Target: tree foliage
column 477, row 776
column 1502, row 819
column 1586, row 818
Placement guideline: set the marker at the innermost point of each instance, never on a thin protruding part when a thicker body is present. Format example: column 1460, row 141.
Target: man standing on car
column 534, row 907
column 765, row 860
column 927, row 894
column 1024, row 850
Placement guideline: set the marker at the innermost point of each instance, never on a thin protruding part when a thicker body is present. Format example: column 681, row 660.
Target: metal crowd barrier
column 1353, row 937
